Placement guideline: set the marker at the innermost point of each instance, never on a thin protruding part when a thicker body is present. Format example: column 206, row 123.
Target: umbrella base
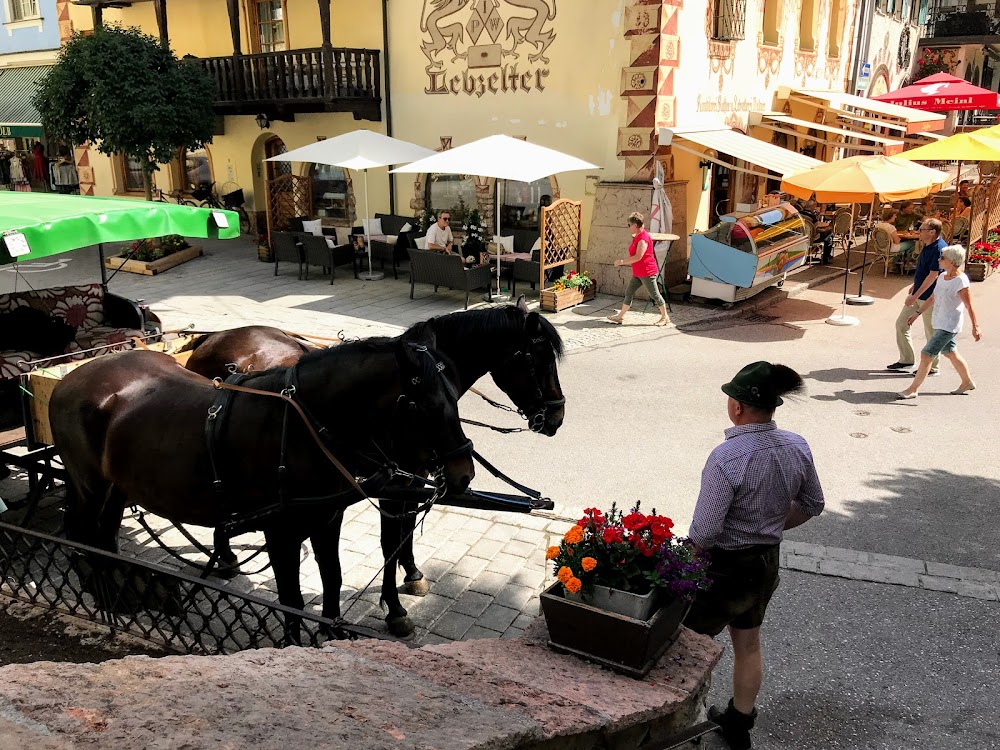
column 861, row 299
column 842, row 320
column 371, row 275
column 497, row 297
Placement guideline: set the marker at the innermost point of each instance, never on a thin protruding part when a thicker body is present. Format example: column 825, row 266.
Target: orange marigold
column 551, row 553
column 574, row 535
column 588, row 563
column 564, row 574
column 573, row 585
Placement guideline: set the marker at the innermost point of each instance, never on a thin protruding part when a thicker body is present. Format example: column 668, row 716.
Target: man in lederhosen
column 756, row 484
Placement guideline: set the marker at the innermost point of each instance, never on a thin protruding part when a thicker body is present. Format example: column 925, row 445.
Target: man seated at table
column 907, row 216
column 896, row 245
column 439, row 236
column 824, row 232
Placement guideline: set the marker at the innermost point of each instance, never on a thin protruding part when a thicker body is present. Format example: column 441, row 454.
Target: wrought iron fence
column 169, row 609
column 950, row 18
column 729, row 21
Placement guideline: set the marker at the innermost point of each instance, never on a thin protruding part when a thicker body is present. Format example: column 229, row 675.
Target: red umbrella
column 942, row 93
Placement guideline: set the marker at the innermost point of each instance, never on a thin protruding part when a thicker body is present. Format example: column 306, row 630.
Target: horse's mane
column 373, row 345
column 475, row 323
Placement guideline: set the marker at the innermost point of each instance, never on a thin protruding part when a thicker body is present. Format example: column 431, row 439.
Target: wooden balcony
column 281, row 84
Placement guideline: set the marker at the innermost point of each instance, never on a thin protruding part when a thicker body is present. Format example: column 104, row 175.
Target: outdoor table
column 510, row 257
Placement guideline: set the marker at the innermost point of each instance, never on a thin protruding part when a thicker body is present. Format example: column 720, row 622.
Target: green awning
column 18, row 116
column 52, row 224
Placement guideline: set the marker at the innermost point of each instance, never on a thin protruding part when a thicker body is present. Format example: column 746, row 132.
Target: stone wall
column 610, row 238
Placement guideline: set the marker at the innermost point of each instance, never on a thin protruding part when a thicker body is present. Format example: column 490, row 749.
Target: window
column 129, row 171
column 521, row 203
column 23, row 10
column 454, row 192
column 808, row 25
column 329, row 189
column 772, row 21
column 837, row 16
column 729, row 20
column 195, row 168
column 267, row 23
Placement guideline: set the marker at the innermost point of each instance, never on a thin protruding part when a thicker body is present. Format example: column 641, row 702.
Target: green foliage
column 121, row 90
column 426, row 219
column 476, row 235
column 171, row 243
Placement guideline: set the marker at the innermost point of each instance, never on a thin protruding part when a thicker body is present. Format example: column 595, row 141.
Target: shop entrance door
column 721, row 190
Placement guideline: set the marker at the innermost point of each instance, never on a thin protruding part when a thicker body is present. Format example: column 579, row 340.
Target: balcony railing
column 953, row 18
column 301, row 80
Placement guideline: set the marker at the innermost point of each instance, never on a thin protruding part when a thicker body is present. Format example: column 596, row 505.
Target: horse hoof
column 416, row 587
column 401, row 627
column 228, row 571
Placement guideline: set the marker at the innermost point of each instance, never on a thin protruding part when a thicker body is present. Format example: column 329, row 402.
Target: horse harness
column 220, row 410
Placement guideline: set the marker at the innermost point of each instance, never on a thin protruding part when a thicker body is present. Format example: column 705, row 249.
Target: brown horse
column 214, row 355
column 131, row 429
column 518, row 348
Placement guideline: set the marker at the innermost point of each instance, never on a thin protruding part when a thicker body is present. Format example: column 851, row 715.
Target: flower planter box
column 626, row 645
column 553, row 301
column 636, row 606
column 264, row 254
column 978, row 271
column 157, row 266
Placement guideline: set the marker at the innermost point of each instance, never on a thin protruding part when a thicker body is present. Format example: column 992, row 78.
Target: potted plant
column 476, row 236
column 624, row 585
column 568, row 290
column 984, row 258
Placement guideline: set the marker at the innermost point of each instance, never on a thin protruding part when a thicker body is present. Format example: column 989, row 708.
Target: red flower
column 660, row 527
column 612, row 535
column 635, row 522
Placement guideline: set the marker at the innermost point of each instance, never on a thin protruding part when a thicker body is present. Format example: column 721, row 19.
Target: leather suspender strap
column 226, row 386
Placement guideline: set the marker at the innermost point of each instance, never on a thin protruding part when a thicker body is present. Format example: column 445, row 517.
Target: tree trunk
column 147, row 182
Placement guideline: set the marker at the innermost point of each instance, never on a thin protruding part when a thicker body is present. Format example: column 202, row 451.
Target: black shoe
column 931, row 374
column 899, row 366
column 734, row 726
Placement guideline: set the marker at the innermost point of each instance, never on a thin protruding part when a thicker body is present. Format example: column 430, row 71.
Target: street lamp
column 262, row 122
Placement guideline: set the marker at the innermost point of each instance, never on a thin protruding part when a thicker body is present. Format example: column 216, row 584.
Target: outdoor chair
column 815, row 253
column 946, row 231
column 316, row 251
column 439, row 269
column 286, row 249
column 531, row 271
column 960, row 231
column 882, row 249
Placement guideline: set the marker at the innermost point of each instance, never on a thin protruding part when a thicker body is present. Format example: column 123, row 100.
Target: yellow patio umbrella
column 863, row 179
column 975, row 145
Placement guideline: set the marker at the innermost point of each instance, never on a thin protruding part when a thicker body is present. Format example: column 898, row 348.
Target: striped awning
column 18, row 116
column 725, row 140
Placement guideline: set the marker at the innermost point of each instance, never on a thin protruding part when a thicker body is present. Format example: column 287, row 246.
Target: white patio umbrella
column 358, row 150
column 500, row 157
column 661, row 216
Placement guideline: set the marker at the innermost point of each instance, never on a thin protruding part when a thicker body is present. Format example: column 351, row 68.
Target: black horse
column 131, row 429
column 520, row 349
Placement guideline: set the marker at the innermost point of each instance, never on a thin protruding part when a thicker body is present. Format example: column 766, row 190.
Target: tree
column 121, row 90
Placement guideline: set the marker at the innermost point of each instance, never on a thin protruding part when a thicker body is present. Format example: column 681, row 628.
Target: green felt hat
column 761, row 384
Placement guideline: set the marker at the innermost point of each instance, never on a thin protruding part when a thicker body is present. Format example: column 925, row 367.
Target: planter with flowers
column 571, row 289
column 150, row 257
column 984, row 257
column 264, row 253
column 624, row 585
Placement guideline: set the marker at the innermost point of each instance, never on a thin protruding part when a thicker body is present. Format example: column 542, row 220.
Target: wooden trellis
column 288, row 195
column 561, row 232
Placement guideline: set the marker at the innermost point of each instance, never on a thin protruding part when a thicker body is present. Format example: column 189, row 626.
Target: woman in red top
column 644, row 270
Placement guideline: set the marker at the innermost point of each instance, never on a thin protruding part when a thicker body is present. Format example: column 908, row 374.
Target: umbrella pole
column 861, row 298
column 499, row 296
column 371, row 275
column 843, row 319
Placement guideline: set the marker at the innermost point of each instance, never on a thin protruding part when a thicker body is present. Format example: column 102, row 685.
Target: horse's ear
column 420, row 333
column 521, row 304
column 531, row 323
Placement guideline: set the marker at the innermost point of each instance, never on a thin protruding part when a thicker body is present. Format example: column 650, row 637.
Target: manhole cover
column 901, row 429
column 859, row 434
column 862, row 413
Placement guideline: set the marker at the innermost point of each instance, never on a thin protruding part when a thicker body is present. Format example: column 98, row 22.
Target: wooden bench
column 439, row 269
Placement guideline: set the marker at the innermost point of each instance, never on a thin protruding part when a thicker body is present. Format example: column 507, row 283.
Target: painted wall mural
column 486, row 47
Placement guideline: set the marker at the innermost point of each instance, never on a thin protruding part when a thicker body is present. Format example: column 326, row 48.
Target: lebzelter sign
column 20, row 130
column 464, row 43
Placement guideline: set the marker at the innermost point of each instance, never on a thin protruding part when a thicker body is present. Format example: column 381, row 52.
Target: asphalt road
column 915, row 479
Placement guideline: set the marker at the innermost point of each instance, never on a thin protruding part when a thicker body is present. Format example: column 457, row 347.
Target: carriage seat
column 98, row 321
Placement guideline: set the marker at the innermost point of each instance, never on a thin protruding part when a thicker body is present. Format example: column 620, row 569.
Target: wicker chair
column 317, row 252
column 439, row 269
column 960, row 231
column 946, row 231
column 286, row 249
column 531, row 271
column 815, row 245
column 882, row 246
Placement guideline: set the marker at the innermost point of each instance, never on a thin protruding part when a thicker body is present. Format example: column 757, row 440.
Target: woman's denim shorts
column 942, row 342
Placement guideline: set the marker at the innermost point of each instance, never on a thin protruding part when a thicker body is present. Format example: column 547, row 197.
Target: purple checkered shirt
column 749, row 484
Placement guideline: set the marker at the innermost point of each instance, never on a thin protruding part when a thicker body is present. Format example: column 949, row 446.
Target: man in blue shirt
column 924, row 279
